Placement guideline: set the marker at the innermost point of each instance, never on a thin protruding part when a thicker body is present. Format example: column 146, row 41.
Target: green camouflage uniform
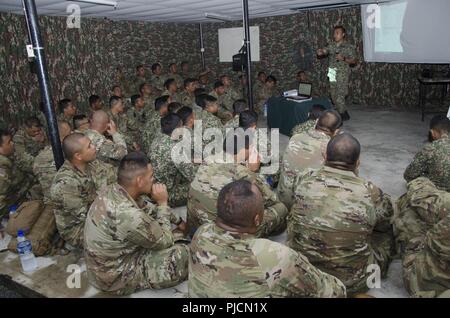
column 339, row 88
column 427, row 262
column 223, row 264
column 212, row 177
column 176, row 176
column 178, row 79
column 152, row 128
column 72, row 193
column 136, row 120
column 136, row 83
column 14, row 184
column 233, row 123
column 222, row 113
column 149, row 104
column 158, row 81
column 340, row 223
column 418, row 210
column 432, row 162
column 174, row 96
column 186, row 100
column 121, row 121
column 44, row 168
column 257, row 88
column 209, row 120
column 304, row 151
column 231, row 95
column 26, row 148
column 128, row 248
column 304, row 127
column 109, row 151
column 261, row 98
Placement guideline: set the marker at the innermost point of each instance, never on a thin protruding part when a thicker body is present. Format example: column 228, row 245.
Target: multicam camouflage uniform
column 340, row 223
column 304, row 127
column 418, row 210
column 14, row 184
column 177, row 176
column 44, row 168
column 212, row 177
column 433, row 162
column 121, row 121
column 69, row 120
column 26, row 148
column 225, row 264
column 339, row 88
column 109, row 151
column 128, row 248
column 427, row 260
column 72, row 193
column 304, row 151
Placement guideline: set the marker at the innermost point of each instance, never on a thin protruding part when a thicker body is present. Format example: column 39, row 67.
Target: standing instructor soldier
column 342, row 55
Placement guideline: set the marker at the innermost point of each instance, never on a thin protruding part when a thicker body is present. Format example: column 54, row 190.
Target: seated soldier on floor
column 28, row 142
column 152, row 128
column 306, row 151
column 427, row 257
column 218, row 93
column 136, row 119
column 208, row 115
column 117, row 114
column 75, row 186
column 433, row 161
column 67, row 110
column 171, row 89
column 176, row 173
column 109, row 151
column 15, row 185
column 128, row 242
column 418, row 210
column 95, row 103
column 80, row 123
column 227, row 260
column 238, row 160
column 310, row 124
column 239, row 106
column 187, row 97
column 341, row 222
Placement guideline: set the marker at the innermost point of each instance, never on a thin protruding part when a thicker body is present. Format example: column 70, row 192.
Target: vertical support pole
column 29, row 7
column 248, row 69
column 202, row 47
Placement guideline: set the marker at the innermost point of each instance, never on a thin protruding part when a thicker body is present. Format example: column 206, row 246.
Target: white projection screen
column 407, row 31
column 231, row 41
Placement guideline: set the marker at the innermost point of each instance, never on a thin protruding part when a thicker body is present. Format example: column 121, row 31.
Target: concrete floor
column 389, row 141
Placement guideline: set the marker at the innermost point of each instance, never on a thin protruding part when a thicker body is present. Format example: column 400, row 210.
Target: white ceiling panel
column 170, row 10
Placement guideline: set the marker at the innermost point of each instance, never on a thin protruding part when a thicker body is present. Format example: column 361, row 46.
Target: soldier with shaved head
column 109, row 151
column 227, row 260
column 340, row 221
column 75, row 186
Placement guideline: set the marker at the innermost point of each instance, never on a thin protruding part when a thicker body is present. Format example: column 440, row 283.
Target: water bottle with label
column 25, row 251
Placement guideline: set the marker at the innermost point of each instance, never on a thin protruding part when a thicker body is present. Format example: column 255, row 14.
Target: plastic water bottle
column 265, row 109
column 12, row 209
column 26, row 255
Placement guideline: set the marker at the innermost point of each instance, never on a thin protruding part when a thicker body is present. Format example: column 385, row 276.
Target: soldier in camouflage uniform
column 152, row 128
column 223, row 168
column 95, row 103
column 15, row 184
column 157, row 78
column 427, row 257
column 171, row 89
column 174, row 74
column 75, row 186
column 136, row 119
column 44, row 167
column 239, row 106
column 418, row 210
column 117, row 114
column 227, row 260
column 259, row 85
column 80, row 123
column 219, row 93
column 29, row 141
column 139, row 79
column 310, row 124
column 187, row 97
column 341, row 222
column 203, row 82
column 109, row 151
column 433, row 161
column 128, row 243
column 264, row 94
column 175, row 173
column 342, row 54
column 67, row 110
column 208, row 115
column 306, row 151
column 145, row 91
column 230, row 94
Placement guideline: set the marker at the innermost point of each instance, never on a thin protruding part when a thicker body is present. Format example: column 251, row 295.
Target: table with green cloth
column 285, row 114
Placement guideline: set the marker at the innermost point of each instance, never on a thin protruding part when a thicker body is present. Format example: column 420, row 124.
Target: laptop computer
column 304, row 91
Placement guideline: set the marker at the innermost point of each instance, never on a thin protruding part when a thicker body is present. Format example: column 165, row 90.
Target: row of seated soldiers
column 105, row 203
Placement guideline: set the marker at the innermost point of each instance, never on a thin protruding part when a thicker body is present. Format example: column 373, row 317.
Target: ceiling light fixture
column 217, row 17
column 100, row 2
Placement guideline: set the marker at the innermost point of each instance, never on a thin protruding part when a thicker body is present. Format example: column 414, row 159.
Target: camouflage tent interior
column 84, row 61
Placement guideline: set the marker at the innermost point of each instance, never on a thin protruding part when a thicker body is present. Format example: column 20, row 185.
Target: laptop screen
column 304, row 89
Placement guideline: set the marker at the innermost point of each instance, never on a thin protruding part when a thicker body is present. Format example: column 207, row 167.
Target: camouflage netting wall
column 83, row 61
column 281, row 37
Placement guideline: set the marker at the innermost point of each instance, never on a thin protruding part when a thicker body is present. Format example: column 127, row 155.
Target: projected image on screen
column 407, row 31
column 387, row 37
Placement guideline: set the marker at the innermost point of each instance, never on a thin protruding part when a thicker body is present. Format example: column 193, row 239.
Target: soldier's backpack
column 26, row 215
